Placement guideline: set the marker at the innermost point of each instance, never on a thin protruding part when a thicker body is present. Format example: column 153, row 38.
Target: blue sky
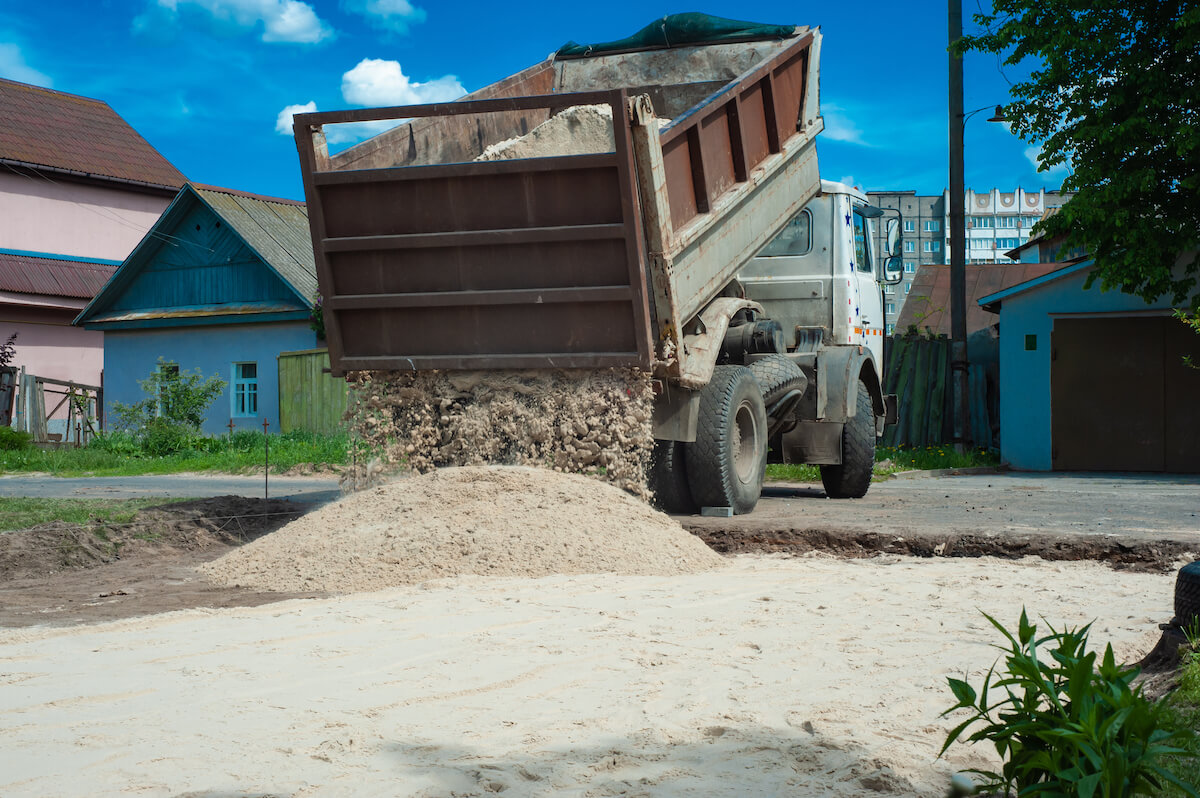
column 206, row 81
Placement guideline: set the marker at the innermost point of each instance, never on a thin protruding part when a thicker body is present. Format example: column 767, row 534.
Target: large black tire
column 725, row 463
column 776, row 375
column 1187, row 593
column 851, row 479
column 668, row 478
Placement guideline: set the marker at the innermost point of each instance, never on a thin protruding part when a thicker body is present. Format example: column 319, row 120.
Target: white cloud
column 1056, row 172
column 13, row 67
column 283, row 122
column 838, row 126
column 847, row 180
column 282, row 20
column 375, row 82
column 393, row 15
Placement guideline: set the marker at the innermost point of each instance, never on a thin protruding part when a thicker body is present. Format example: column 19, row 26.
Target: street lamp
column 958, row 233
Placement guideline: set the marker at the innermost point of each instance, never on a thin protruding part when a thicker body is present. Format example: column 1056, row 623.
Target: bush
column 1064, row 727
column 14, row 440
column 119, row 443
column 168, row 420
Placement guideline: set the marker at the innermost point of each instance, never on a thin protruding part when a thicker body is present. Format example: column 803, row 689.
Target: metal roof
column 77, row 135
column 277, row 229
column 31, row 274
column 928, row 302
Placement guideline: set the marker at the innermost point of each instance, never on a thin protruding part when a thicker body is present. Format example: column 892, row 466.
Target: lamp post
column 958, row 233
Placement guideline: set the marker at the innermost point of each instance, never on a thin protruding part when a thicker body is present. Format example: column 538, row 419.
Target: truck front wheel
column 725, row 463
column 851, row 479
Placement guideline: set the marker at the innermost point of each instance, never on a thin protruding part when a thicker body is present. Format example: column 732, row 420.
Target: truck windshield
column 795, row 239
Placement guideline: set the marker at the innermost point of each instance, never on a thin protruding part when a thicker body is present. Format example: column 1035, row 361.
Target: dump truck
column 696, row 243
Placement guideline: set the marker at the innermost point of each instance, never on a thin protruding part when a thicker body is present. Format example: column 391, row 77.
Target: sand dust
column 489, row 521
column 765, row 677
column 594, row 422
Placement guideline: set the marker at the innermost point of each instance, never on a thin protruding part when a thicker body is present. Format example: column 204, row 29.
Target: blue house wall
column 1025, row 433
column 132, row 355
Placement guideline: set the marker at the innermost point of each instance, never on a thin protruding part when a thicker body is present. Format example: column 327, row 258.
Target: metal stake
column 266, row 459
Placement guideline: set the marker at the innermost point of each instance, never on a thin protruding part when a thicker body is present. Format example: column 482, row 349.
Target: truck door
column 867, row 296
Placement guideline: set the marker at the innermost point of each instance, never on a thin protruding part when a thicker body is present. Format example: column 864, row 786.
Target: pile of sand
column 490, row 521
column 578, row 130
column 595, row 422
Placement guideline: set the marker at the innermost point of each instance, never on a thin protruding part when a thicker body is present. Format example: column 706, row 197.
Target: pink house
column 79, row 188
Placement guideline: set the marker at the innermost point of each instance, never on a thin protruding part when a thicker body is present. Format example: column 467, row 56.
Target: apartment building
column 996, row 222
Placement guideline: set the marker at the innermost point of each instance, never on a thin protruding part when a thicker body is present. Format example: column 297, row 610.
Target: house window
column 890, row 328
column 933, row 246
column 983, row 221
column 910, row 226
column 1008, row 222
column 1030, row 343
column 1007, row 243
column 933, row 226
column 910, row 246
column 891, row 307
column 907, row 287
column 245, row 390
column 889, row 289
column 910, row 267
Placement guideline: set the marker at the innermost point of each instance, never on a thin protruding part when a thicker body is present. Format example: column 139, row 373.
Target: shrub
column 1064, row 727
column 12, row 440
column 168, row 420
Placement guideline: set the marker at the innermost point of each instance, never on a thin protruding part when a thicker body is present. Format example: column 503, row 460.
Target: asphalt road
column 309, row 489
column 1144, row 506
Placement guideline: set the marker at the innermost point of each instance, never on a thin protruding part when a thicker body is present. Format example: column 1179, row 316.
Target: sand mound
column 490, row 521
column 577, row 130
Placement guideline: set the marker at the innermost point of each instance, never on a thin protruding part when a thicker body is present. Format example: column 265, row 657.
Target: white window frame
column 910, row 226
column 933, row 226
column 933, row 246
column 910, row 246
column 243, row 391
column 910, row 267
column 891, row 307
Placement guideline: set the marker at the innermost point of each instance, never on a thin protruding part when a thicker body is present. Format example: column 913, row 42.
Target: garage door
column 1121, row 397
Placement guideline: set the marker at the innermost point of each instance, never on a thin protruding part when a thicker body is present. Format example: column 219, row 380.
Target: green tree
column 1113, row 96
column 169, row 418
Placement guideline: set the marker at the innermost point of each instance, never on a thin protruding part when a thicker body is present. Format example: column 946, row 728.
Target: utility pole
column 958, row 236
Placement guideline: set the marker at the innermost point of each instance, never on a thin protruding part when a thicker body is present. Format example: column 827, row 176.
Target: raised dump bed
column 430, row 259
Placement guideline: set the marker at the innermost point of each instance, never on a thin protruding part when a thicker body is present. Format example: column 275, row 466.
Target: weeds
column 1064, row 726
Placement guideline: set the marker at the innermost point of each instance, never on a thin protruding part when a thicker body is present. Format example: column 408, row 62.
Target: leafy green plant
column 8, row 350
column 13, row 440
column 168, row 420
column 1064, row 726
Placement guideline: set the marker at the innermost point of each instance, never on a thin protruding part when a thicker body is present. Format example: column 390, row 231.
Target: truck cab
column 822, row 281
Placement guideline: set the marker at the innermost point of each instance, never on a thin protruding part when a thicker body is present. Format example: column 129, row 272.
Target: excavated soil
column 594, row 422
column 488, row 521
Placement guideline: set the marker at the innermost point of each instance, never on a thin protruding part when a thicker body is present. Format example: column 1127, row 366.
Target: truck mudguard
column 838, row 371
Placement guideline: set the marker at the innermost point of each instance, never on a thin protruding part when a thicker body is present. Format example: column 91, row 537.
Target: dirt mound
column 594, row 422
column 186, row 526
column 490, row 521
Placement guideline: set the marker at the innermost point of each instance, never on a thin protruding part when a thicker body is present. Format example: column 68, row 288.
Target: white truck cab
column 822, row 281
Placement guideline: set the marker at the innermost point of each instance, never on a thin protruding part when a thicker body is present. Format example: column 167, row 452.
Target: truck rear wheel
column 725, row 463
column 668, row 478
column 851, row 479
column 776, row 375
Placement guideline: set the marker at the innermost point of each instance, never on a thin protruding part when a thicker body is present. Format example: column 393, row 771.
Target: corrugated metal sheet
column 223, row 309
column 44, row 127
column 27, row 274
column 276, row 229
column 928, row 303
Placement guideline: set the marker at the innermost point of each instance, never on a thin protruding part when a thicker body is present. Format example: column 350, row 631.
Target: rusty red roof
column 32, row 274
column 928, row 303
column 48, row 128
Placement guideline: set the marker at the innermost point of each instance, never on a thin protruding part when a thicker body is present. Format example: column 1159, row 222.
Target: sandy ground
column 769, row 676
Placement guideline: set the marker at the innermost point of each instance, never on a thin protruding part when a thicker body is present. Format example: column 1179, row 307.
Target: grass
column 1183, row 712
column 22, row 513
column 894, row 459
column 240, row 454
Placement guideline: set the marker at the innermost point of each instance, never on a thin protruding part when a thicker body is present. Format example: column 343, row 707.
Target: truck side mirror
column 893, row 237
column 893, row 270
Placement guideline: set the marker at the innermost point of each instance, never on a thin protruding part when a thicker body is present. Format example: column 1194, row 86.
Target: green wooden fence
column 310, row 398
column 918, row 372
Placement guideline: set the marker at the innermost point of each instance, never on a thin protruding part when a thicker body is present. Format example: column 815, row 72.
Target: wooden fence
column 918, row 372
column 309, row 397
